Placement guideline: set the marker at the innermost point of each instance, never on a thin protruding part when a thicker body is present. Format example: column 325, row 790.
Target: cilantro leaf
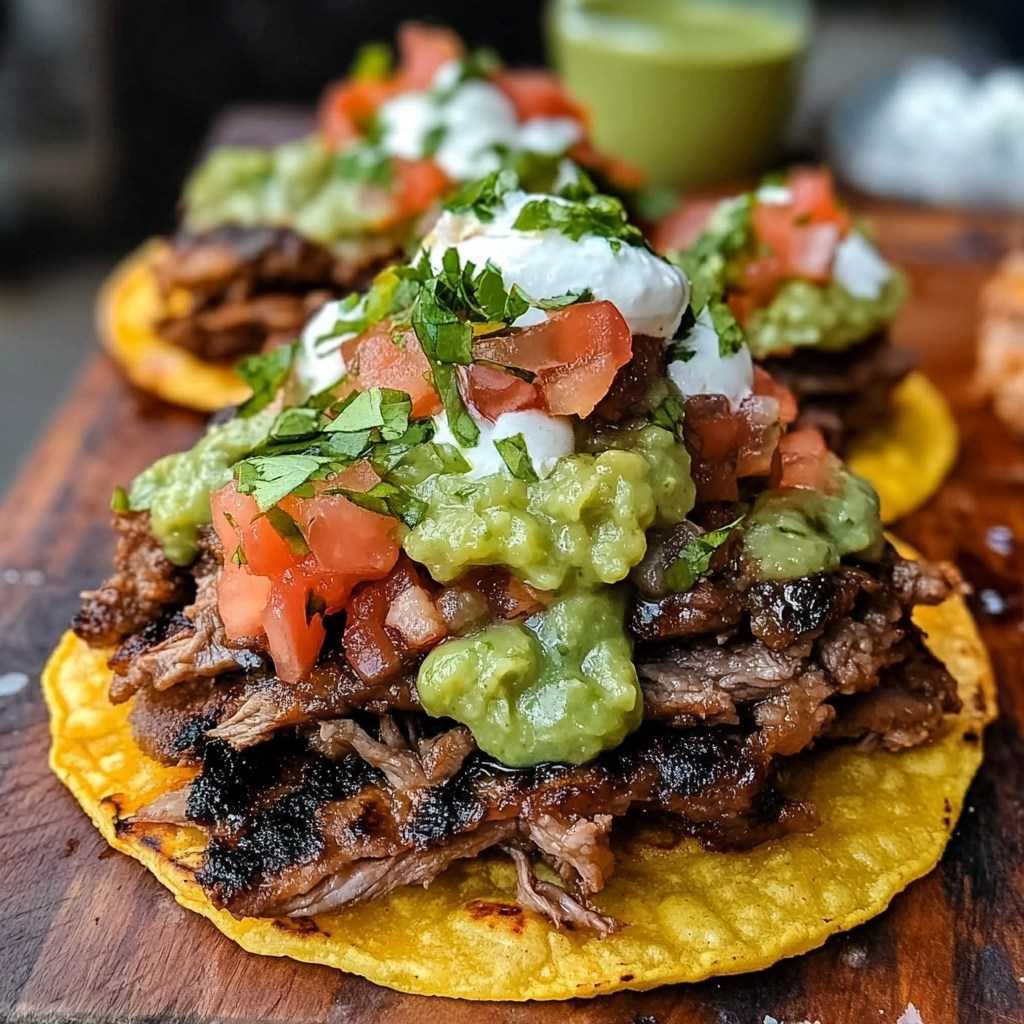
column 265, row 374
column 387, row 454
column 669, row 414
column 494, row 301
column 287, row 529
column 389, row 500
column 295, row 423
column 376, row 408
column 483, row 197
column 433, row 139
column 694, row 558
column 366, row 164
column 444, row 336
column 514, row 454
column 269, row 478
column 119, row 501
column 599, row 215
column 561, row 301
column 462, row 424
column 730, row 334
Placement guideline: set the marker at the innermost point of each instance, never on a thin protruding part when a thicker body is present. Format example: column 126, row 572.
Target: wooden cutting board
column 89, row 935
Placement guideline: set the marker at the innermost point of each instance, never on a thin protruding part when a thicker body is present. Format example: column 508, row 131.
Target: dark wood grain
column 88, row 936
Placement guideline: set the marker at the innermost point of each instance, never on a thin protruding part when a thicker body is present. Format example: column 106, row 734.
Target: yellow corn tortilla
column 907, row 457
column 129, row 304
column 691, row 914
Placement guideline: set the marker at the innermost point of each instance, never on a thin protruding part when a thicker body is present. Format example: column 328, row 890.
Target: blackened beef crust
column 252, row 287
column 282, row 819
column 842, row 393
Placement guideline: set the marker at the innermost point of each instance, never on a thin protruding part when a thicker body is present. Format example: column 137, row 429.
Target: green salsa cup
column 689, row 91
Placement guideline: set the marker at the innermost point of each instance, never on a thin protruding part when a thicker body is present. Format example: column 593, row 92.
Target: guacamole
column 560, row 687
column 806, row 315
column 176, row 489
column 796, row 533
column 586, row 521
column 323, row 195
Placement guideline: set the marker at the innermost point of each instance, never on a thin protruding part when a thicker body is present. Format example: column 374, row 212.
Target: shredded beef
column 553, row 902
column 144, row 585
column 844, row 392
column 578, row 849
column 253, row 287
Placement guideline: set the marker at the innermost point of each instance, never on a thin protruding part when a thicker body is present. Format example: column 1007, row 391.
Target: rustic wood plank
column 88, row 936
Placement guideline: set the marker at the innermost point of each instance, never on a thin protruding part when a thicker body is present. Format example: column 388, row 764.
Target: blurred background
column 105, row 104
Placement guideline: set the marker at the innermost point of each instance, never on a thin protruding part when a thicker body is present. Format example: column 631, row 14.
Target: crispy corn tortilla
column 691, row 914
column 129, row 304
column 907, row 457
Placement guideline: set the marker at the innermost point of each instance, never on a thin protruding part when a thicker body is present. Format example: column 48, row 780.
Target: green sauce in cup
column 690, row 91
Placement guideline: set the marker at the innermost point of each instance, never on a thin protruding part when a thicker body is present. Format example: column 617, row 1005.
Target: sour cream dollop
column 319, row 362
column 472, row 118
column 650, row 294
column 706, row 371
column 548, row 438
column 859, row 267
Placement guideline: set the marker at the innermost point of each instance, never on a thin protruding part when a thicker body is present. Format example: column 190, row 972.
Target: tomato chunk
column 269, row 587
column 814, row 197
column 766, row 384
column 492, row 391
column 419, row 184
column 349, row 106
column 423, row 50
column 804, row 461
column 575, row 354
column 536, row 93
column 375, row 359
column 683, row 226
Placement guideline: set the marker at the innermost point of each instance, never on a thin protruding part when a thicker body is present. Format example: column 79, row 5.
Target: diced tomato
column 491, row 391
column 347, row 108
column 766, row 384
column 294, row 635
column 375, row 359
column 343, row 537
column 374, row 651
column 418, row 185
column 283, row 592
column 413, row 616
column 804, row 461
column 423, row 50
column 683, row 226
column 575, row 354
column 812, row 247
column 241, row 598
column 773, row 224
column 814, row 197
column 537, row 93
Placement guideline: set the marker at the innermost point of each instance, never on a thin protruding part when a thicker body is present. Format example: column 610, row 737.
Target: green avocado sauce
column 585, row 522
column 828, row 317
column 560, row 687
column 795, row 533
column 176, row 489
column 325, row 196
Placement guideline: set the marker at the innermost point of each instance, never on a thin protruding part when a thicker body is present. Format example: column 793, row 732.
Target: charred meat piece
column 145, row 584
column 842, row 393
column 634, row 390
column 285, row 821
column 252, row 287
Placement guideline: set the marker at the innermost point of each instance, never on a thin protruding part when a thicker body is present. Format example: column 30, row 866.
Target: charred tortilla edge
column 691, row 914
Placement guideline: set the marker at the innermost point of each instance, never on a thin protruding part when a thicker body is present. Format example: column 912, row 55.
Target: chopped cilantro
column 269, row 478
column 514, row 454
column 265, row 374
column 383, row 408
column 462, row 424
column 730, row 334
column 293, row 424
column 669, row 413
column 433, row 139
column 287, row 529
column 599, row 215
column 694, row 559
column 388, row 499
column 483, row 197
column 365, row 163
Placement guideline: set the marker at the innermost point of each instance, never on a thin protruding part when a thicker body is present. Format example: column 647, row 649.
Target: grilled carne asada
column 523, row 552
